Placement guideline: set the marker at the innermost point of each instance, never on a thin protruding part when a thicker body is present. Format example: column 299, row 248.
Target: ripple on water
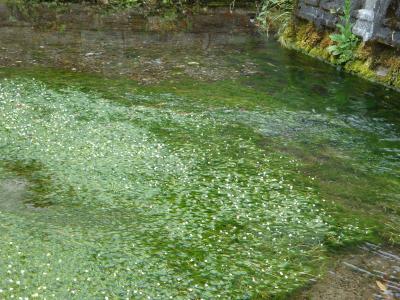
column 166, row 201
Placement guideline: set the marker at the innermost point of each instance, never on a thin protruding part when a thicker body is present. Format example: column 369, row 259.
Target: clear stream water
column 208, row 163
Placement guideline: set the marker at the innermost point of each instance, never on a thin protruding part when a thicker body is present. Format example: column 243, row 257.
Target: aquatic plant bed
column 160, row 196
column 149, row 199
column 191, row 184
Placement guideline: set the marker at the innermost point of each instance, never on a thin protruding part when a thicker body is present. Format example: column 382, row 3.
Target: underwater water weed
column 156, row 198
column 161, row 214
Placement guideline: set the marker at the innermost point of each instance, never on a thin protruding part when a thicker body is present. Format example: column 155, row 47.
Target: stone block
column 368, row 17
column 395, row 37
column 312, row 2
column 392, row 23
column 328, row 20
column 357, row 4
column 333, row 6
column 309, row 13
column 365, row 15
column 386, row 36
column 364, row 29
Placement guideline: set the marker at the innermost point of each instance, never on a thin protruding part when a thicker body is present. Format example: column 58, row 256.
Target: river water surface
column 205, row 162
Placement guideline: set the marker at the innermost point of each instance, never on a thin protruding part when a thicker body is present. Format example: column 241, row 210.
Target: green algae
column 236, row 189
column 168, row 200
column 234, row 177
column 184, row 207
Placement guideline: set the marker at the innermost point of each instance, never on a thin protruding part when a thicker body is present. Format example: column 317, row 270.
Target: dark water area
column 184, row 158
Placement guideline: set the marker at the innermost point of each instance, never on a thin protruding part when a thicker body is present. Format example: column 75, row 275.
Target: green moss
column 393, row 63
column 361, row 68
column 318, row 52
column 287, row 36
column 308, row 39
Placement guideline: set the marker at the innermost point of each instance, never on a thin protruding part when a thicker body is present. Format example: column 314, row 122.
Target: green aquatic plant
column 168, row 198
column 345, row 42
column 189, row 190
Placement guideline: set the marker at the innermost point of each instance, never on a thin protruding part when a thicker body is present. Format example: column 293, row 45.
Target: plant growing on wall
column 345, row 41
column 275, row 13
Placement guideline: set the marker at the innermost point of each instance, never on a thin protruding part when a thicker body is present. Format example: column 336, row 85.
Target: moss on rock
column 374, row 62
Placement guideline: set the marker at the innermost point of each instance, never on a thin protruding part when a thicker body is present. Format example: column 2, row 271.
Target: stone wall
column 377, row 20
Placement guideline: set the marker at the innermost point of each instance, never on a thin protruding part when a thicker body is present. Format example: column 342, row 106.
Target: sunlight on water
column 229, row 169
column 193, row 211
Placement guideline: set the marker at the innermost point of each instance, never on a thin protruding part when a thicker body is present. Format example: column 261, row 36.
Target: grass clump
column 275, row 14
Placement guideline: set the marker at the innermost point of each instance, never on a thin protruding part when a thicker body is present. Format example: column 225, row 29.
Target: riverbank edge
column 374, row 62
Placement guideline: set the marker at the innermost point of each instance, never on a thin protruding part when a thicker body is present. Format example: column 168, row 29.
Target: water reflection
column 133, row 46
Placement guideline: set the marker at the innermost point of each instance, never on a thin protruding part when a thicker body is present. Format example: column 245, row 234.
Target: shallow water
column 161, row 168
